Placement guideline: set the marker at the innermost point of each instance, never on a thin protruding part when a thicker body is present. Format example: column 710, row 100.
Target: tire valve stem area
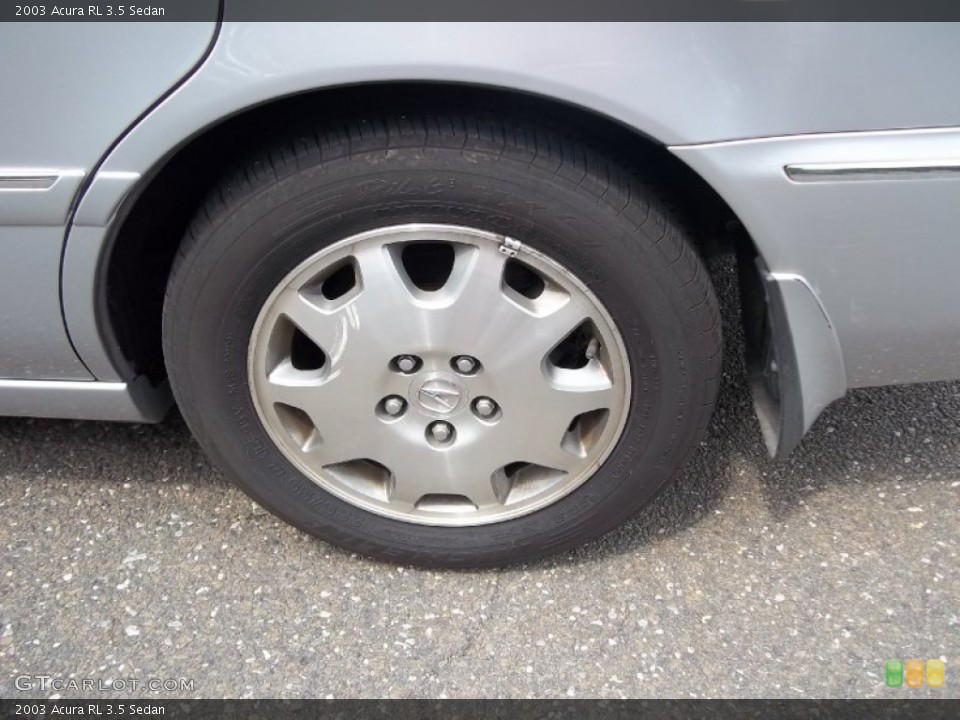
column 593, row 348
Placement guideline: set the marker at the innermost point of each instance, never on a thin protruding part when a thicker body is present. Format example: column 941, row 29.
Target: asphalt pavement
column 124, row 557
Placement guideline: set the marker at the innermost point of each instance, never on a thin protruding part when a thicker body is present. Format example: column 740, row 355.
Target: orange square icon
column 914, row 673
column 935, row 673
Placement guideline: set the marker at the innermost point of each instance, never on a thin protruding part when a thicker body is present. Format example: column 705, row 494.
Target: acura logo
column 439, row 396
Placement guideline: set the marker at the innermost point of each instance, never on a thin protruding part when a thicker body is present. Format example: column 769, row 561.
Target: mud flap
column 794, row 362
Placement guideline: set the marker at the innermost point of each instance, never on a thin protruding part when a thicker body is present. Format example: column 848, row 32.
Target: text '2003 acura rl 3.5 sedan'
column 436, row 294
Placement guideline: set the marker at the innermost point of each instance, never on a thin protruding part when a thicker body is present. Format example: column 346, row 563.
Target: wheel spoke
column 328, row 330
column 297, row 389
column 465, row 471
column 385, row 307
column 554, row 326
column 525, row 340
column 534, row 437
column 538, row 392
column 340, row 441
column 476, row 276
column 572, row 392
column 565, row 407
column 478, row 488
column 341, row 444
column 288, row 386
column 547, row 403
column 409, row 484
column 470, row 311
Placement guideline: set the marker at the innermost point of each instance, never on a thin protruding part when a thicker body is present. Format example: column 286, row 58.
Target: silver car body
column 837, row 146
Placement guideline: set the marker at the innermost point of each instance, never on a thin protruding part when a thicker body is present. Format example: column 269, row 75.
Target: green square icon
column 894, row 673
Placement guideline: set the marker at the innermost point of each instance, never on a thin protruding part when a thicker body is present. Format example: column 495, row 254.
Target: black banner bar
column 586, row 10
column 487, row 10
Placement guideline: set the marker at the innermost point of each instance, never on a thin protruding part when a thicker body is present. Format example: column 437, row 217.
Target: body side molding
column 33, row 179
column 889, row 170
column 136, row 401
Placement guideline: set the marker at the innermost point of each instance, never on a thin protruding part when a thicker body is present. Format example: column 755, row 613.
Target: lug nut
column 485, row 407
column 406, row 363
column 393, row 405
column 465, row 364
column 441, row 431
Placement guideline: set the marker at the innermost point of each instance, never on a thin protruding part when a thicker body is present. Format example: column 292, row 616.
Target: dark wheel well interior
column 134, row 269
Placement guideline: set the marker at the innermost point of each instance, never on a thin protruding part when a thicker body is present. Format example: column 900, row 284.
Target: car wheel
column 449, row 340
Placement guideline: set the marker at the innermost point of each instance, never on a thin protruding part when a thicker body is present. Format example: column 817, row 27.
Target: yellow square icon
column 935, row 673
column 914, row 673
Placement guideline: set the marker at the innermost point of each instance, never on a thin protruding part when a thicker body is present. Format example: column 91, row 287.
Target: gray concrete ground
column 125, row 556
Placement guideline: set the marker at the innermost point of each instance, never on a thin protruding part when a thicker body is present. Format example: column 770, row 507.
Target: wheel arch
column 130, row 257
column 144, row 232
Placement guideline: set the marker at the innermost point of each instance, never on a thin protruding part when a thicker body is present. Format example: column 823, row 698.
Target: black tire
column 507, row 176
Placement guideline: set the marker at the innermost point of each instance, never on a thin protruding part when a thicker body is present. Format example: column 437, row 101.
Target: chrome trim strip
column 33, row 179
column 882, row 170
column 136, row 401
column 62, row 385
column 118, row 175
column 28, row 182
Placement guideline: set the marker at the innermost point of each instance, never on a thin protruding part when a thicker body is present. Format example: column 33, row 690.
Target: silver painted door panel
column 69, row 91
column 33, row 343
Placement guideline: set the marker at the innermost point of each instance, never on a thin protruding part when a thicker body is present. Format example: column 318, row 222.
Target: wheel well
column 140, row 252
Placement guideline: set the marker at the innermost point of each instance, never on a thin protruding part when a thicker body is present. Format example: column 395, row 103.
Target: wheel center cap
column 436, row 394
